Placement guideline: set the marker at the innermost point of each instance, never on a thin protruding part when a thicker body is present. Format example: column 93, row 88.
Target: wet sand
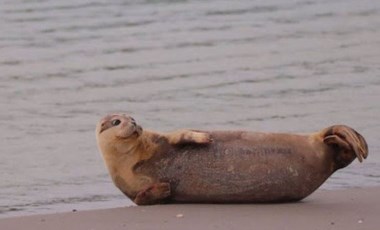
column 339, row 209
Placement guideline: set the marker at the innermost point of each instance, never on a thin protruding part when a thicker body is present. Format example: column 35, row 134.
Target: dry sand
column 339, row 209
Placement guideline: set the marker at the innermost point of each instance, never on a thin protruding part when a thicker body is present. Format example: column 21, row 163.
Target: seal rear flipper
column 153, row 194
column 347, row 142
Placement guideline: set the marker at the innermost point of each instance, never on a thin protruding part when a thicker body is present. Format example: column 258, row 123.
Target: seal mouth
column 135, row 132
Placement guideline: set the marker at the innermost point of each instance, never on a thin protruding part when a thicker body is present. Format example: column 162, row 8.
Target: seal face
column 122, row 126
column 222, row 166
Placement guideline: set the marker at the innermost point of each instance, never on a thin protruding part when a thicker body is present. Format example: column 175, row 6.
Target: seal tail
column 347, row 142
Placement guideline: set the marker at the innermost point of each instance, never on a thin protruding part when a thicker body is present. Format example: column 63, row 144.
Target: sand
column 339, row 209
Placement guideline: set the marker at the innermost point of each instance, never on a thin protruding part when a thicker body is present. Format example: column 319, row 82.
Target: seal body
column 236, row 166
column 241, row 167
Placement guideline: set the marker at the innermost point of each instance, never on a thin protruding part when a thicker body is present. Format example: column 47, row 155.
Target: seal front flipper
column 188, row 136
column 154, row 194
column 347, row 143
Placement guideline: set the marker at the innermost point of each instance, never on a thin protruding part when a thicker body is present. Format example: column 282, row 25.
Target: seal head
column 117, row 132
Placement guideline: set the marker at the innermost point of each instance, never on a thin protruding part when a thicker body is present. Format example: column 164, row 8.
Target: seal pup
column 222, row 166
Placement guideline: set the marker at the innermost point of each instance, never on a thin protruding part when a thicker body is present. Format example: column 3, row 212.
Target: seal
column 189, row 166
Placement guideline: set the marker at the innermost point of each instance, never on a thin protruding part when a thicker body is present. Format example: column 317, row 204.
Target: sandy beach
column 357, row 208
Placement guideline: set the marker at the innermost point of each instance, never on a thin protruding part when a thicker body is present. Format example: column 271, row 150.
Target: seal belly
column 242, row 167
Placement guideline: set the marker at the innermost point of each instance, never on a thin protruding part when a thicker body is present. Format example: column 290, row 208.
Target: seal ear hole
column 116, row 122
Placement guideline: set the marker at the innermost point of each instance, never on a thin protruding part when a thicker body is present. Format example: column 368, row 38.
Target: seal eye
column 116, row 122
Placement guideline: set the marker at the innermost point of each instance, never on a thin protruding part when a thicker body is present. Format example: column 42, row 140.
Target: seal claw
column 202, row 138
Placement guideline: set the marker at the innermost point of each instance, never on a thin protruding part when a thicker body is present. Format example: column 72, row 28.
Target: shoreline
column 355, row 208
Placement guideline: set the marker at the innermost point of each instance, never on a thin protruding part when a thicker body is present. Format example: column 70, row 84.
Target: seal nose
column 133, row 121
